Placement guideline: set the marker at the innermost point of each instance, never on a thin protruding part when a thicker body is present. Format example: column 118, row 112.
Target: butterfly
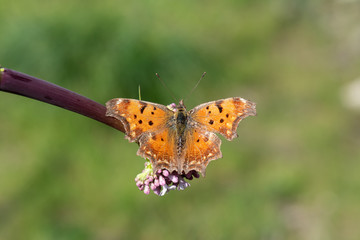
column 176, row 139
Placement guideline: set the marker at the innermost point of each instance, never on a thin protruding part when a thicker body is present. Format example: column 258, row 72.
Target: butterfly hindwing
column 200, row 148
column 138, row 116
column 223, row 116
column 160, row 148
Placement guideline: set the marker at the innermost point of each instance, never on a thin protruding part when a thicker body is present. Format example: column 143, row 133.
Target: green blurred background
column 292, row 174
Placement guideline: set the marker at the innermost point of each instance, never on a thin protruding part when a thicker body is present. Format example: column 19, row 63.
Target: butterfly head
column 181, row 107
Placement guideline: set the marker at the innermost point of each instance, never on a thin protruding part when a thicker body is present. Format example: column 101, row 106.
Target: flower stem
column 18, row 83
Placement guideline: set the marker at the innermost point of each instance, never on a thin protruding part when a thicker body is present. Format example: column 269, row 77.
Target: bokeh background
column 294, row 172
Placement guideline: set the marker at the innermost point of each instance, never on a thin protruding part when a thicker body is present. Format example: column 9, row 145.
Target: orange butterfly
column 176, row 139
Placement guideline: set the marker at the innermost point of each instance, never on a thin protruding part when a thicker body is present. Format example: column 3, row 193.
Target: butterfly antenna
column 139, row 93
column 171, row 92
column 192, row 90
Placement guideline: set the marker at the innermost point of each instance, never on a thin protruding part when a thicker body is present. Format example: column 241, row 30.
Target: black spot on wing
column 218, row 105
column 143, row 106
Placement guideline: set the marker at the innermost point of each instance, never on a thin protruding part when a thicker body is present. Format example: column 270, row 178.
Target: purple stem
column 28, row 86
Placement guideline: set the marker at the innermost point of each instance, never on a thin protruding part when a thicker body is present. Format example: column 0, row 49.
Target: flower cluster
column 162, row 181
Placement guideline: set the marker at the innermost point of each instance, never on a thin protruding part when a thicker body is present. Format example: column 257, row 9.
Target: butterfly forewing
column 223, row 116
column 138, row 117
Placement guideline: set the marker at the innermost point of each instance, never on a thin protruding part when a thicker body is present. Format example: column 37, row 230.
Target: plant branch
column 31, row 87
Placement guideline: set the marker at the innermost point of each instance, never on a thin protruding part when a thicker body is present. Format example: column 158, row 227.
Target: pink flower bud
column 174, row 178
column 156, row 182
column 165, row 173
column 147, row 190
column 162, row 181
